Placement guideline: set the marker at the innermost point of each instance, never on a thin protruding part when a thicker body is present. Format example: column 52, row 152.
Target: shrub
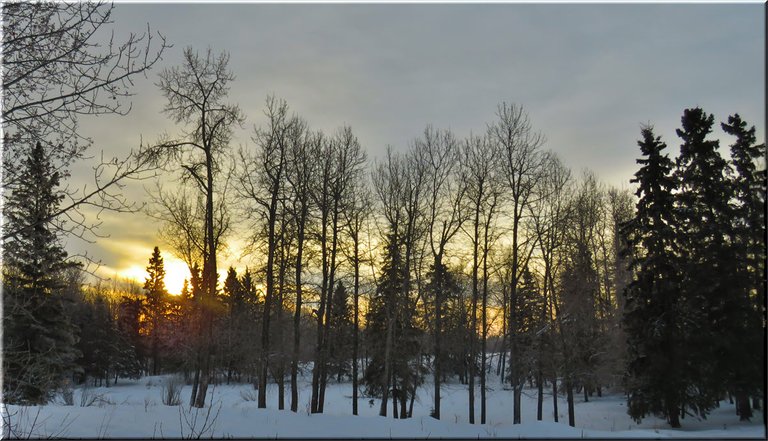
column 172, row 390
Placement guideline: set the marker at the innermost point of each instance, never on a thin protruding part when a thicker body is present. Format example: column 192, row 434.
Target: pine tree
column 38, row 336
column 657, row 381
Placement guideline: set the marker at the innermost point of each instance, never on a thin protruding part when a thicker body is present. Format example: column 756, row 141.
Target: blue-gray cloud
column 588, row 75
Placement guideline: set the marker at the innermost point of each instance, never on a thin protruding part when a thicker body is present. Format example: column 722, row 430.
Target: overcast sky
column 587, row 75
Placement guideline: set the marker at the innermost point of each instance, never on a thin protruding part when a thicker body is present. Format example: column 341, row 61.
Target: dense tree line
column 426, row 263
column 695, row 313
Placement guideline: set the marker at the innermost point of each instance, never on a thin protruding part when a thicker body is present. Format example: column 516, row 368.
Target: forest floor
column 134, row 409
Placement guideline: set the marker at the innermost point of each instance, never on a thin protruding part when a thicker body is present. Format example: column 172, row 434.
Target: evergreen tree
column 747, row 355
column 710, row 270
column 342, row 330
column 389, row 307
column 657, row 377
column 154, row 305
column 129, row 328
column 38, row 336
column 530, row 312
column 236, row 324
column 444, row 283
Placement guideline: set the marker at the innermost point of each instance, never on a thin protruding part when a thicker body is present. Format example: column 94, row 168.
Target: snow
column 134, row 409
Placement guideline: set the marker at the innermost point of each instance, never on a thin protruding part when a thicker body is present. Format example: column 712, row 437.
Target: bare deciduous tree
column 196, row 92
column 356, row 218
column 262, row 187
column 480, row 172
column 299, row 176
column 523, row 166
column 54, row 72
column 441, row 154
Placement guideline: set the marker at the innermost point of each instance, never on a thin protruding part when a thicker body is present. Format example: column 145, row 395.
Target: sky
column 588, row 76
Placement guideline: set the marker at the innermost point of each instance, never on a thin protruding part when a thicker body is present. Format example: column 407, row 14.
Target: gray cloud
column 588, row 75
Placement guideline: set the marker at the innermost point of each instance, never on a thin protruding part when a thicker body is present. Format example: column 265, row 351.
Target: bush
column 248, row 395
column 67, row 394
column 89, row 398
column 172, row 390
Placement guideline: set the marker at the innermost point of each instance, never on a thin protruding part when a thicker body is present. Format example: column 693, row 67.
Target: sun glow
column 176, row 271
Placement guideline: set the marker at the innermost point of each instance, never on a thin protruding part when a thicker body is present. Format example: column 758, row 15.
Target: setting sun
column 176, row 272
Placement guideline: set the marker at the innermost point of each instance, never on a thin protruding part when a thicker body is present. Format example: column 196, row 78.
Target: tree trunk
column 569, row 395
column 483, row 364
column 514, row 357
column 473, row 317
column 319, row 353
column 395, row 398
column 743, row 408
column 356, row 336
column 297, row 319
column 403, row 402
column 540, row 398
column 438, row 269
column 387, row 363
column 195, row 384
column 554, row 399
column 328, row 313
column 280, row 374
column 410, row 404
column 673, row 415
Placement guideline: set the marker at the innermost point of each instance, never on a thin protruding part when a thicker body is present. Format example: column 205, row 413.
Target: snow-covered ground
column 134, row 409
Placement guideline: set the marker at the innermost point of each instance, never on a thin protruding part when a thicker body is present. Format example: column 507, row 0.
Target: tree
column 54, row 72
column 586, row 304
column 39, row 338
column 522, row 166
column 710, row 276
column 399, row 185
column 356, row 218
column 341, row 166
column 749, row 189
column 300, row 175
column 440, row 152
column 549, row 218
column 237, row 321
column 340, row 353
column 261, row 184
column 483, row 193
column 154, row 304
column 201, row 106
column 580, row 292
column 390, row 318
column 657, row 379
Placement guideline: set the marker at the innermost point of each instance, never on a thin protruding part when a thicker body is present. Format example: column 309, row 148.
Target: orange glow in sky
column 175, row 273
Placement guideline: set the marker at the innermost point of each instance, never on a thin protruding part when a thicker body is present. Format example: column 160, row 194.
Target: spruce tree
column 710, row 271
column 390, row 308
column 747, row 356
column 342, row 329
column 38, row 336
column 154, row 304
column 657, row 381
